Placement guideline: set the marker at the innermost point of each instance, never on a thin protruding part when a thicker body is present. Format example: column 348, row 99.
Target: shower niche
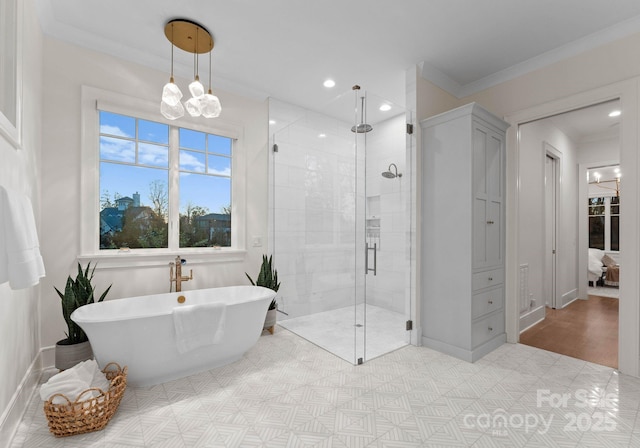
column 373, row 221
column 340, row 222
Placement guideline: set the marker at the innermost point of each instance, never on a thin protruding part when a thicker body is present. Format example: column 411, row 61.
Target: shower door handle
column 375, row 258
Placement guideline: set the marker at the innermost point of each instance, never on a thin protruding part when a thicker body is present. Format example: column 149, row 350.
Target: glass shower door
column 383, row 300
column 340, row 224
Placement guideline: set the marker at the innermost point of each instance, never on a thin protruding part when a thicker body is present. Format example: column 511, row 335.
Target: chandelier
column 192, row 38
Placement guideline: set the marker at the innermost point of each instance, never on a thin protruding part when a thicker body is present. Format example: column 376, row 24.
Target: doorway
column 556, row 319
column 551, row 187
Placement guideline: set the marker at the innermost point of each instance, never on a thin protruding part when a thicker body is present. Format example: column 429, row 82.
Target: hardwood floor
column 585, row 329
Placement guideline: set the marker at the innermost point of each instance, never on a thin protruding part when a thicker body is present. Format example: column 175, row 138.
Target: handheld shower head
column 389, row 175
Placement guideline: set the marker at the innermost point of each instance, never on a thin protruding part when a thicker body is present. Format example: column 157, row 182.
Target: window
column 614, row 216
column 604, row 223
column 152, row 174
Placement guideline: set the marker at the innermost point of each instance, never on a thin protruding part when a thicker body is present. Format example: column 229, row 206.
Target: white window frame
column 607, row 221
column 11, row 48
column 95, row 100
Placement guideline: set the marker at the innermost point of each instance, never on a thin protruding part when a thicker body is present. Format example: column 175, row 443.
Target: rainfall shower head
column 363, row 127
column 389, row 175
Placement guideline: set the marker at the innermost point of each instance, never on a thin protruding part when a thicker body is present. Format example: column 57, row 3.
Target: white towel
column 20, row 260
column 72, row 382
column 198, row 325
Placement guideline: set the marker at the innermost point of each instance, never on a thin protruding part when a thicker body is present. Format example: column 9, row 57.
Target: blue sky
column 200, row 153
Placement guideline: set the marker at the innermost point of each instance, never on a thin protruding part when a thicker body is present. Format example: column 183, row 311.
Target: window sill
column 142, row 258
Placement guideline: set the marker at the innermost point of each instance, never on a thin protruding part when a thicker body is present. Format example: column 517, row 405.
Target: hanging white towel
column 20, row 260
column 199, row 325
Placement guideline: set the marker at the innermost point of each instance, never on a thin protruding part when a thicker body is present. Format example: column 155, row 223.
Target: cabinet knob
column 490, row 302
column 490, row 279
column 490, row 328
column 489, row 222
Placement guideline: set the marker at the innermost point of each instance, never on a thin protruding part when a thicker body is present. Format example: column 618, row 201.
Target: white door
column 550, row 203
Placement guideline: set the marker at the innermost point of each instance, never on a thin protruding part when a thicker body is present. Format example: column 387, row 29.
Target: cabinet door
column 495, row 202
column 488, row 201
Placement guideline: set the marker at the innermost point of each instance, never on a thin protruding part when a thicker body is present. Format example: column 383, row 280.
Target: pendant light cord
column 210, row 71
column 197, row 56
column 171, row 77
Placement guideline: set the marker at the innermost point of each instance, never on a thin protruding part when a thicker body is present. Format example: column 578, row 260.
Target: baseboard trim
column 568, row 297
column 531, row 318
column 461, row 353
column 12, row 416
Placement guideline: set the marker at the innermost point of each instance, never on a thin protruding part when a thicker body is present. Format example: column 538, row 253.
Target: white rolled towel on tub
column 198, row 325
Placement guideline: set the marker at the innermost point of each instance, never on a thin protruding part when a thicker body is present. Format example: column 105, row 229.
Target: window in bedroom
column 145, row 168
column 614, row 223
column 604, row 223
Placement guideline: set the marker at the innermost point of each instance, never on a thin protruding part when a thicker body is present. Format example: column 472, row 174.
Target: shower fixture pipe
column 362, row 127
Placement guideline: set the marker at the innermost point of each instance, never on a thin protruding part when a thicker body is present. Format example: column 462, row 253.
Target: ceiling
column 287, row 48
column 590, row 123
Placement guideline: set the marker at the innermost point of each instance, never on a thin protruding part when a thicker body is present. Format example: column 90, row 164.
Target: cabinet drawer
column 487, row 328
column 487, row 302
column 486, row 279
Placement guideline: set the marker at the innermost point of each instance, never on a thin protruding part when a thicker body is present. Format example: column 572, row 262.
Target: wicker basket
column 91, row 414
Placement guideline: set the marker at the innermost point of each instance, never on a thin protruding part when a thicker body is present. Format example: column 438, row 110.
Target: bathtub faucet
column 178, row 278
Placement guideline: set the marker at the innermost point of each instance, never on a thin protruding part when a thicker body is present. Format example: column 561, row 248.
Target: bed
column 603, row 268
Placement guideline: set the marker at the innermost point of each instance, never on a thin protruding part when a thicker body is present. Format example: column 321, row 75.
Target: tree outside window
column 135, row 174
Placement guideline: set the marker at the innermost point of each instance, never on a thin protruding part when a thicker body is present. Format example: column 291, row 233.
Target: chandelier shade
column 171, row 93
column 193, row 38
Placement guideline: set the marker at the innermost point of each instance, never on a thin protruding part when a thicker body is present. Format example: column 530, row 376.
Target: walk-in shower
column 341, row 234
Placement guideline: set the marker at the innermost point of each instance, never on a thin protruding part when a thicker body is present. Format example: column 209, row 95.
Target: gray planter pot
column 68, row 356
column 270, row 320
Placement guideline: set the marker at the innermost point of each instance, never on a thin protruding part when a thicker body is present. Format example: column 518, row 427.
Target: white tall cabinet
column 463, row 232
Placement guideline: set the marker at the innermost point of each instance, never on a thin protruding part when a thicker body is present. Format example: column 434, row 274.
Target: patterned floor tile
column 396, row 438
column 422, row 427
column 286, row 392
column 455, row 433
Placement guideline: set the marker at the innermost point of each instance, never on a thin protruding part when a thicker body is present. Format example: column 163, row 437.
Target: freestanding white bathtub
column 138, row 332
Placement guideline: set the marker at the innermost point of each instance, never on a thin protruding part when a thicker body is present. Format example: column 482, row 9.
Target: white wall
column 20, row 170
column 531, row 242
column 387, row 145
column 599, row 151
column 67, row 68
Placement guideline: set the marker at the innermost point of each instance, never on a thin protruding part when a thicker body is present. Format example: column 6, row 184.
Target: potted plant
column 75, row 347
column 268, row 277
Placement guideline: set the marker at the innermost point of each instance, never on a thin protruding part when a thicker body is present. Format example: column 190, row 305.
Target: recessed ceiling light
column 615, row 113
column 385, row 107
column 329, row 83
column 322, row 135
column 272, row 121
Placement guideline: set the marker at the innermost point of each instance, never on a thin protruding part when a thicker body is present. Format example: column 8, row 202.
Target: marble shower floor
column 287, row 392
column 336, row 332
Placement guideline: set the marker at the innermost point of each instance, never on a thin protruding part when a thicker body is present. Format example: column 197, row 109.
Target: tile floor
column 385, row 331
column 287, row 392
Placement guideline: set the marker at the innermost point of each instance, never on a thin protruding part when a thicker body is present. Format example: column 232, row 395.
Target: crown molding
column 599, row 38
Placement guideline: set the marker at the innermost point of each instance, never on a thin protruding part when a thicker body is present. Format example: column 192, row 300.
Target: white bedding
column 595, row 265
